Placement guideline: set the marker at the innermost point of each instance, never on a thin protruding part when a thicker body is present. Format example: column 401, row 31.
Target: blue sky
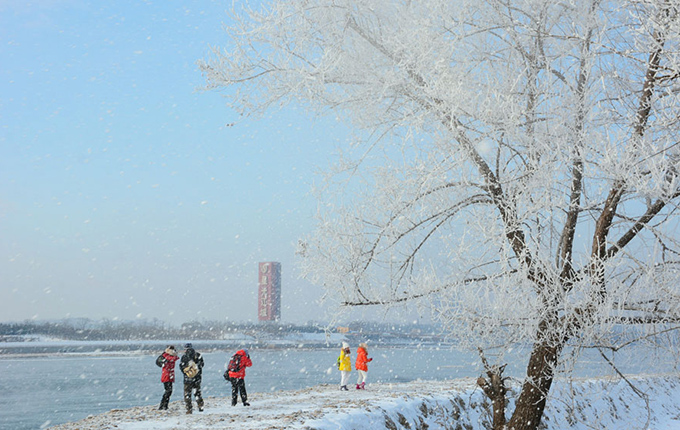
column 126, row 192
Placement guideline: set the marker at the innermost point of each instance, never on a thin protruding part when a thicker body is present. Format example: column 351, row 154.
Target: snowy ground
column 599, row 404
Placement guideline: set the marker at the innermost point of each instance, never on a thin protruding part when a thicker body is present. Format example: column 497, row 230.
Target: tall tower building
column 269, row 291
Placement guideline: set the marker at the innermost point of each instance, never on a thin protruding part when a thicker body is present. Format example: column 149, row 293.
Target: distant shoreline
column 112, row 348
column 100, row 348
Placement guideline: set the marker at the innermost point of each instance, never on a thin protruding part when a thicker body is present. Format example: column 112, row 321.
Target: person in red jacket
column 237, row 373
column 362, row 365
column 167, row 362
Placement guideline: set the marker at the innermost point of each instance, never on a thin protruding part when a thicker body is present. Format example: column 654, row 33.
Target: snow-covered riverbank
column 602, row 404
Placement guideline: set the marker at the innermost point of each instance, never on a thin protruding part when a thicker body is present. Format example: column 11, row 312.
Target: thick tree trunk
column 531, row 402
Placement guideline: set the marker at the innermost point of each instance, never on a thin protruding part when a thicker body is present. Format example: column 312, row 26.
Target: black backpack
column 160, row 361
column 234, row 364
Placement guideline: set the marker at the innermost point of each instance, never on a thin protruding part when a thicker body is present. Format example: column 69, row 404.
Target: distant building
column 269, row 291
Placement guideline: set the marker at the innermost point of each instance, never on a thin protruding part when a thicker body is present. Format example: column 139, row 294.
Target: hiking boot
column 363, row 385
column 358, row 387
column 200, row 409
column 344, row 388
column 233, row 402
column 246, row 404
column 189, row 412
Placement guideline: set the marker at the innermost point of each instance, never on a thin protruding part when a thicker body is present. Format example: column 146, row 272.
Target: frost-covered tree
column 516, row 164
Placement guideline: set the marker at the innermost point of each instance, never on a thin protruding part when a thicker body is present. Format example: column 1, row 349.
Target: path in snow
column 604, row 403
column 313, row 407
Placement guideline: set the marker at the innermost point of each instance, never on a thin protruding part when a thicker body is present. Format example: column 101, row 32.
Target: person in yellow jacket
column 344, row 365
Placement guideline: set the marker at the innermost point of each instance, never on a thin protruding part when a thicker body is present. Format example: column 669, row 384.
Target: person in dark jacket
column 167, row 362
column 237, row 378
column 191, row 362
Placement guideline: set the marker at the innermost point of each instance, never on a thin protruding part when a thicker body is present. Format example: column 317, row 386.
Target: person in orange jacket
column 236, row 371
column 361, row 365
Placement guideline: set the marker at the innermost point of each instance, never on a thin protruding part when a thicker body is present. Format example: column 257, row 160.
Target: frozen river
column 49, row 390
column 42, row 391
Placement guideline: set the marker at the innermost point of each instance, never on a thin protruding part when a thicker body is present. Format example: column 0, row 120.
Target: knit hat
column 345, row 345
column 188, row 345
column 363, row 345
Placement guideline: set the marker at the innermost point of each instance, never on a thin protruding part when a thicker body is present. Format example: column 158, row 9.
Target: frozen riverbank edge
column 455, row 404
